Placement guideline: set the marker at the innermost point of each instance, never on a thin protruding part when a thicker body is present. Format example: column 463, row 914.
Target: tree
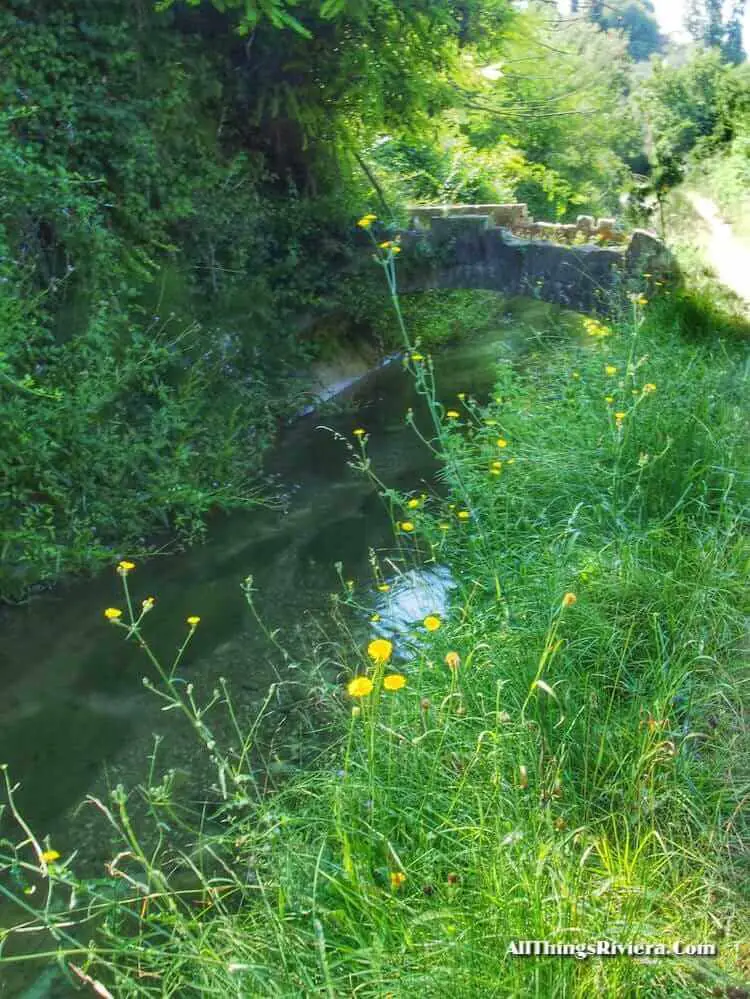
column 636, row 18
column 733, row 50
column 705, row 23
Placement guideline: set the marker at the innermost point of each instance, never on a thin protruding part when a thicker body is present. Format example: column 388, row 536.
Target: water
column 74, row 714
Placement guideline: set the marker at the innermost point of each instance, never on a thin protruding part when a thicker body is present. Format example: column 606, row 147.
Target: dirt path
column 728, row 255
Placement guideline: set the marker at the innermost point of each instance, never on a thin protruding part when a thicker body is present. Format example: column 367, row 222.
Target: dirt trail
column 728, row 255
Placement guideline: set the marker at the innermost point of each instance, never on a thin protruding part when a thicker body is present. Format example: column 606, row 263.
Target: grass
column 567, row 761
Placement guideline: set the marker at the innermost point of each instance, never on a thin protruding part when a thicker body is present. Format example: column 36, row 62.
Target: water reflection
column 73, row 707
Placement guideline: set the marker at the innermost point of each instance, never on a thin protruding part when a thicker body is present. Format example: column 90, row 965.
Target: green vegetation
column 560, row 757
column 561, row 753
column 170, row 165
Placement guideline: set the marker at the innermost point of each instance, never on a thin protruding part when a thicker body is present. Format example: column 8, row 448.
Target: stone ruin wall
column 516, row 219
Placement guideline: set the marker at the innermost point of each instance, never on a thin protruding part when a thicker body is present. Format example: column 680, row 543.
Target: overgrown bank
column 561, row 757
column 179, row 189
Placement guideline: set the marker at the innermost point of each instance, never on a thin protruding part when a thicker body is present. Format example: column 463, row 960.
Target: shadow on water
column 73, row 705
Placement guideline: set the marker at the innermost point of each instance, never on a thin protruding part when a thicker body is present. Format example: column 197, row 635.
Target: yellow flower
column 48, row 856
column 379, row 650
column 444, row 527
column 124, row 567
column 431, row 622
column 461, row 396
column 620, row 417
column 610, row 370
column 501, row 442
column 395, row 249
column 193, row 620
column 413, row 503
column 397, row 879
column 366, row 221
column 452, row 414
column 494, row 471
column 417, row 357
column 147, row 604
column 490, row 423
column 360, row 686
column 511, row 461
column 394, row 681
column 359, row 432
column 453, row 660
column 497, row 465
column 384, row 587
column 112, row 613
column 406, row 525
column 375, row 618
column 569, row 599
column 463, row 515
column 609, row 399
column 648, row 388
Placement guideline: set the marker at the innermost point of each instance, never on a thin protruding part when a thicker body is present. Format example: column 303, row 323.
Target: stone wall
column 465, row 250
column 516, row 218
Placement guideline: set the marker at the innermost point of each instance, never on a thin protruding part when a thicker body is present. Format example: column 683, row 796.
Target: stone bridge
column 587, row 266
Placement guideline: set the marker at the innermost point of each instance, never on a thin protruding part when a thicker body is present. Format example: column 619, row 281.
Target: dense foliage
column 179, row 187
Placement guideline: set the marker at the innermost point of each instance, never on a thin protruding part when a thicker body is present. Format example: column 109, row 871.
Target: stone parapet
column 515, row 217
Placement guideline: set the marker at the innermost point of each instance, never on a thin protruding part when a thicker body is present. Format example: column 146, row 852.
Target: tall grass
column 567, row 760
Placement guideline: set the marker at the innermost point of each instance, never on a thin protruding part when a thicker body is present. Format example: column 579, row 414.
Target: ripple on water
column 413, row 595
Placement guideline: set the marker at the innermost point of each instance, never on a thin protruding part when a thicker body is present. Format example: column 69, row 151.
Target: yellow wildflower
column 379, row 650
column 569, row 599
column 360, row 686
column 193, row 620
column 397, row 879
column 359, row 432
column 375, row 618
column 366, row 221
column 394, row 681
column 417, row 357
column 112, row 613
column 453, row 660
column 620, row 417
column 443, row 526
column 511, row 461
column 501, row 442
column 48, row 856
column 648, row 388
column 406, row 525
column 413, row 503
column 463, row 515
column 432, row 622
column 497, row 465
column 147, row 604
column 453, row 414
column 384, row 587
column 461, row 396
column 609, row 399
column 125, row 567
column 610, row 370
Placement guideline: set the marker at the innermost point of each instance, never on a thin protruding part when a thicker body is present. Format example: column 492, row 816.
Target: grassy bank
column 561, row 757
